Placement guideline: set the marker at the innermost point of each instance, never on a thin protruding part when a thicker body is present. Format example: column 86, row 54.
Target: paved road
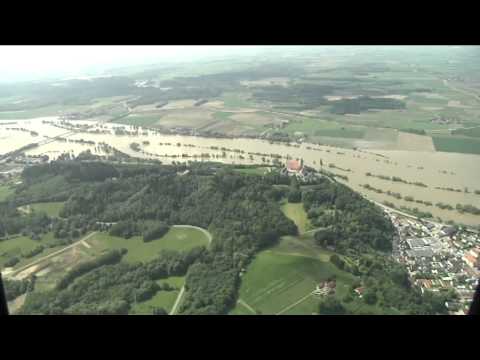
column 182, row 290
column 55, row 253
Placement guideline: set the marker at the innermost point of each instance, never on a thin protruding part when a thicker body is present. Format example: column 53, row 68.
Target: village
column 439, row 257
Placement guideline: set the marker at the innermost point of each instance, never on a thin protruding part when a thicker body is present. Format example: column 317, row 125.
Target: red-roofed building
column 294, row 167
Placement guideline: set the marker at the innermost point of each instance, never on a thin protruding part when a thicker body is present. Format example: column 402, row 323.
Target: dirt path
column 16, row 304
column 293, row 305
column 207, row 234
column 244, row 304
column 177, row 301
column 18, row 271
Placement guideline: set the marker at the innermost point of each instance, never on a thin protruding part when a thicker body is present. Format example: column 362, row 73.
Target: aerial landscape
column 281, row 180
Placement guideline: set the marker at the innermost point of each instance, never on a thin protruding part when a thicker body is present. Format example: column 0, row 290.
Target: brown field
column 414, row 142
column 215, row 104
column 179, row 104
column 255, row 119
column 193, row 118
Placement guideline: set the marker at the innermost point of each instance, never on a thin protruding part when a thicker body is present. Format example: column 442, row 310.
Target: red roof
column 294, row 165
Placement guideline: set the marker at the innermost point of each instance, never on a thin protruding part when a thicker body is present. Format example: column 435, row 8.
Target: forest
column 242, row 212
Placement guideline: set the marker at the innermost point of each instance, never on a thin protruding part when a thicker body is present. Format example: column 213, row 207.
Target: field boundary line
column 244, row 304
column 294, row 304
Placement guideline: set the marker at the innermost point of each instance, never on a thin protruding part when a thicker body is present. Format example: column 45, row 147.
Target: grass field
column 5, row 191
column 234, row 100
column 253, row 170
column 139, row 120
column 303, row 245
column 275, row 281
column 51, row 208
column 222, row 115
column 457, row 144
column 163, row 299
column 21, row 244
column 473, row 132
column 297, row 213
column 176, row 239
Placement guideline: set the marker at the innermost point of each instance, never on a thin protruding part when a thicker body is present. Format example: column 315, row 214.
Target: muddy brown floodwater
column 435, row 169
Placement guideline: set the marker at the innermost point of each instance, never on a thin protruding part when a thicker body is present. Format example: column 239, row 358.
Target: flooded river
column 434, row 169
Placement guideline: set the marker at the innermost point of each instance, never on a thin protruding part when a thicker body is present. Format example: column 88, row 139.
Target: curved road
column 182, row 290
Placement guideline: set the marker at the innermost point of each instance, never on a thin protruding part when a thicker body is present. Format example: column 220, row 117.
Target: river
column 435, row 169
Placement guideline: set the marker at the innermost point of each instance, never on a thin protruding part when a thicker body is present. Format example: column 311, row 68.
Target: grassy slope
column 176, row 239
column 274, row 281
column 17, row 246
column 297, row 213
column 51, row 208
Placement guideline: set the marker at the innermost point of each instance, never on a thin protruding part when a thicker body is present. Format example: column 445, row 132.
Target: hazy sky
column 33, row 62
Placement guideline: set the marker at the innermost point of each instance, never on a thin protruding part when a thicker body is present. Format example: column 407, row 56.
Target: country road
column 182, row 290
column 55, row 253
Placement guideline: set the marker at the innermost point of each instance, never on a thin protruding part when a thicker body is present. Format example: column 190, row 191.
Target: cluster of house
column 325, row 288
column 439, row 257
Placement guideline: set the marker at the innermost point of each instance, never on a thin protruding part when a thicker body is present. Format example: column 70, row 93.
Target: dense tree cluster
column 386, row 285
column 111, row 257
column 155, row 231
column 111, row 289
column 15, row 288
column 350, row 221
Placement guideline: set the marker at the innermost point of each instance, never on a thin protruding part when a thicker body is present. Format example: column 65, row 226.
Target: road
column 55, row 253
column 182, row 290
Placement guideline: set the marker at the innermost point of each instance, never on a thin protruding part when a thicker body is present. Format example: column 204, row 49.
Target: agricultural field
column 146, row 120
column 176, row 239
column 472, row 132
column 273, row 282
column 457, row 144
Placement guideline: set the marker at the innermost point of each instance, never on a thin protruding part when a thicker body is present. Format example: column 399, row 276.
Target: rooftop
column 294, row 165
